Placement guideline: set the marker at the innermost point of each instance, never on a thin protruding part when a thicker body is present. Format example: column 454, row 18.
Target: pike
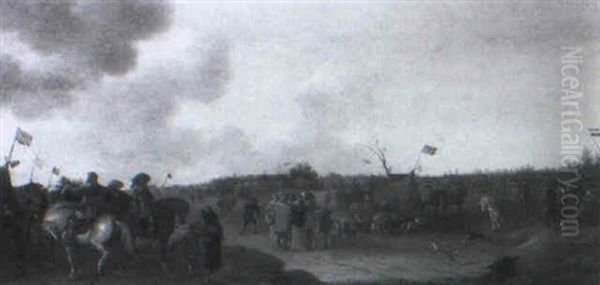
column 427, row 149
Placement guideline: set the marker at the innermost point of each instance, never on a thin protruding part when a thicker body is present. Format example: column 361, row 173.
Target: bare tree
column 379, row 152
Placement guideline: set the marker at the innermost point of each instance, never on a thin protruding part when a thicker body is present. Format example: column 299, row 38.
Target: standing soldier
column 298, row 221
column 270, row 219
column 323, row 225
column 143, row 201
column 309, row 223
column 211, row 242
column 250, row 215
column 281, row 228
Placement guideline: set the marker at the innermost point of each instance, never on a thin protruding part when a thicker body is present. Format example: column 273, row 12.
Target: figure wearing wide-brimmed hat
column 143, row 200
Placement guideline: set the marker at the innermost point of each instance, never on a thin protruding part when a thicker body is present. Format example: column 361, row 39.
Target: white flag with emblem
column 23, row 137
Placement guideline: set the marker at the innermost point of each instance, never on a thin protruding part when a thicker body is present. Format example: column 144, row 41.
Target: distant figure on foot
column 250, row 215
column 298, row 221
column 488, row 205
column 282, row 224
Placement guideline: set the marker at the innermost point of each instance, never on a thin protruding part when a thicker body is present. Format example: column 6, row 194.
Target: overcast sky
column 205, row 90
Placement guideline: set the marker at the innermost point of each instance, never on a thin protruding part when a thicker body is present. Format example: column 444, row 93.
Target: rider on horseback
column 66, row 189
column 118, row 200
column 94, row 197
column 114, row 189
column 92, row 203
column 143, row 201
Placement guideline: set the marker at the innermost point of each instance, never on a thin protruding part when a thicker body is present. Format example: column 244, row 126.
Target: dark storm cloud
column 91, row 39
column 29, row 92
column 214, row 72
column 138, row 120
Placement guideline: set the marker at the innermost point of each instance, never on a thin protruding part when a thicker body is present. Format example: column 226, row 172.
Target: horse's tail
column 125, row 236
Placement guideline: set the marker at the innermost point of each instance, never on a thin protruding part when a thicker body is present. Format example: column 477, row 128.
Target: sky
column 203, row 90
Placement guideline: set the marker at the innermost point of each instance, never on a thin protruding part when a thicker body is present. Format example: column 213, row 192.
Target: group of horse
column 30, row 214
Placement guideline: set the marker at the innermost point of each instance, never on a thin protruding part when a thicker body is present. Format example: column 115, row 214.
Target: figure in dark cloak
column 250, row 215
column 211, row 242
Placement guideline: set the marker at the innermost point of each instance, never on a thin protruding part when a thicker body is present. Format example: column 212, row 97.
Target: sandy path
column 371, row 258
column 374, row 258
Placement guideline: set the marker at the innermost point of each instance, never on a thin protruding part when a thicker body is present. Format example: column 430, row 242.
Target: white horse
column 59, row 223
column 488, row 204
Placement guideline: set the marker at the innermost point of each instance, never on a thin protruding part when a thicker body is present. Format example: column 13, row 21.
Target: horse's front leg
column 71, row 258
column 103, row 258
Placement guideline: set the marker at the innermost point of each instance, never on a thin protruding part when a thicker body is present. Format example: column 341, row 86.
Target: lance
column 12, row 148
column 416, row 165
column 165, row 181
column 31, row 174
column 50, row 179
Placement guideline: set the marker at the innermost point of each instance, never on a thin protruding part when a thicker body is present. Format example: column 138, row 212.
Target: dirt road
column 371, row 258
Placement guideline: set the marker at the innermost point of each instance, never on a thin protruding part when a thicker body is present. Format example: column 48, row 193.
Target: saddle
column 80, row 224
column 75, row 227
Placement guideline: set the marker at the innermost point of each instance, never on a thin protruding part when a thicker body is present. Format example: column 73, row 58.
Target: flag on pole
column 430, row 150
column 23, row 137
column 55, row 171
column 594, row 132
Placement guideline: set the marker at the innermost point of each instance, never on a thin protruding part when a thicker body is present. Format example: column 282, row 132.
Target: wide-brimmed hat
column 115, row 184
column 141, row 178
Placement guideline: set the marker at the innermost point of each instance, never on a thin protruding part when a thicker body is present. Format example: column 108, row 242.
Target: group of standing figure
column 295, row 222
